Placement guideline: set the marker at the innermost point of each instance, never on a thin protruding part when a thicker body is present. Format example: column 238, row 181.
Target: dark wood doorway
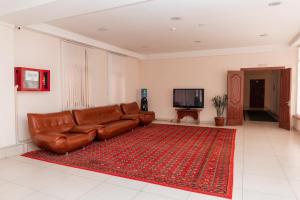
column 285, row 99
column 257, row 93
column 235, row 92
column 235, row 84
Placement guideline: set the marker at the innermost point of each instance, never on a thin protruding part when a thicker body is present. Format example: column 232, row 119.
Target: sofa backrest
column 130, row 108
column 98, row 115
column 50, row 122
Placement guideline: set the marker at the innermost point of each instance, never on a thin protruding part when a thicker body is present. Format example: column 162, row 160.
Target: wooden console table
column 194, row 113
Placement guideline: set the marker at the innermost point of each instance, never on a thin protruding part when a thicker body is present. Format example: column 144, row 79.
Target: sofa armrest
column 134, row 116
column 85, row 128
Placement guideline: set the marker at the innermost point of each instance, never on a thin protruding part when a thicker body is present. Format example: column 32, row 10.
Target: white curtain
column 116, row 78
column 75, row 77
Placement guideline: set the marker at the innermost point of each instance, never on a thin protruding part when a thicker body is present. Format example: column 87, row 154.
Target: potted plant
column 220, row 103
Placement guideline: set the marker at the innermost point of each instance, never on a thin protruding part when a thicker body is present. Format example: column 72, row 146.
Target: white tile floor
column 267, row 167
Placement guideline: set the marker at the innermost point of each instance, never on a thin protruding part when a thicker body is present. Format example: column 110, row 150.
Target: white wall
column 210, row 73
column 27, row 48
column 7, row 101
column 37, row 50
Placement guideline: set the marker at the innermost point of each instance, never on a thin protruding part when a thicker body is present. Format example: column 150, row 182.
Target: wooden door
column 285, row 98
column 257, row 93
column 235, row 92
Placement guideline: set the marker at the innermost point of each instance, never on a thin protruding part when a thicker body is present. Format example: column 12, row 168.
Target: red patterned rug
column 197, row 159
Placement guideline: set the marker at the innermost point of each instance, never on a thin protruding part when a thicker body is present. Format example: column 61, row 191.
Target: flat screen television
column 188, row 98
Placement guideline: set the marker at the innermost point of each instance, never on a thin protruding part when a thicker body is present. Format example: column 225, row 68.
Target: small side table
column 194, row 113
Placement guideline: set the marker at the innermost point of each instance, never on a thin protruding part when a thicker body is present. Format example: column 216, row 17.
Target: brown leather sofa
column 132, row 109
column 58, row 132
column 110, row 117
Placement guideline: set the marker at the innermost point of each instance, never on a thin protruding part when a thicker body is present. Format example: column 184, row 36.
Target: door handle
column 288, row 103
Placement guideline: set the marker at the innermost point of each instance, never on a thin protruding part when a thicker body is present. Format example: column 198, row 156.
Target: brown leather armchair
column 131, row 109
column 57, row 132
column 111, row 119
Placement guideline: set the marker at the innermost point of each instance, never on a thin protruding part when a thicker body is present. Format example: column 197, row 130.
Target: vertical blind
column 116, row 78
column 75, row 77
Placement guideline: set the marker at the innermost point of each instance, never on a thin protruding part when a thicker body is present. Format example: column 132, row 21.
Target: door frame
column 260, row 69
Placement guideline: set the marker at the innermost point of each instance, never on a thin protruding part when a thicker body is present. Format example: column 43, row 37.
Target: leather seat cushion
column 64, row 142
column 112, row 129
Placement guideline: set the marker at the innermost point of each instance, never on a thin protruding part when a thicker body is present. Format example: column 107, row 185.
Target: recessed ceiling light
column 102, row 29
column 275, row 3
column 173, row 29
column 263, row 35
column 175, row 18
column 197, row 41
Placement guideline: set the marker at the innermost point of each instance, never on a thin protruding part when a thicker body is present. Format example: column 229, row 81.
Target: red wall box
column 29, row 79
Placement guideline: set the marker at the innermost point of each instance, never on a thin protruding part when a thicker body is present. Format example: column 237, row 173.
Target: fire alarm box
column 29, row 79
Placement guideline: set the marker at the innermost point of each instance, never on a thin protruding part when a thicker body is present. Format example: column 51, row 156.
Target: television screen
column 188, row 98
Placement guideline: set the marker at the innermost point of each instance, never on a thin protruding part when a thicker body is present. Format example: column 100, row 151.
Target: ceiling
column 145, row 26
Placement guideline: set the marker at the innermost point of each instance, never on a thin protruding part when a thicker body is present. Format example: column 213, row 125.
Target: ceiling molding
column 67, row 35
column 7, row 25
column 216, row 52
column 295, row 42
column 54, row 10
column 9, row 7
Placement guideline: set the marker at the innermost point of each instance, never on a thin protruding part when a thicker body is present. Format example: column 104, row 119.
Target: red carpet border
column 197, row 159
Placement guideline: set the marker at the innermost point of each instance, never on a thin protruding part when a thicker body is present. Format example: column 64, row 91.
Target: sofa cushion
column 115, row 128
column 50, row 122
column 98, row 115
column 130, row 108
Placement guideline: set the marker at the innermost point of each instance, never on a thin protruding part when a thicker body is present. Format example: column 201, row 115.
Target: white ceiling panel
column 145, row 28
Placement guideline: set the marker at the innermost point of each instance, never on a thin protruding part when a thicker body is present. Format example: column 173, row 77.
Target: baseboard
column 17, row 149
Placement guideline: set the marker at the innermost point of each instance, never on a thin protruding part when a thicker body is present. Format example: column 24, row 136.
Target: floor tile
column 10, row 191
column 267, row 166
column 109, row 192
column 41, row 179
column 197, row 196
column 32, row 161
column 264, row 166
column 293, row 173
column 40, row 196
column 8, row 163
column 296, row 188
column 292, row 161
column 166, row 191
column 268, row 185
column 70, row 188
column 18, row 170
column 92, row 175
column 128, row 183
column 252, row 195
column 150, row 196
